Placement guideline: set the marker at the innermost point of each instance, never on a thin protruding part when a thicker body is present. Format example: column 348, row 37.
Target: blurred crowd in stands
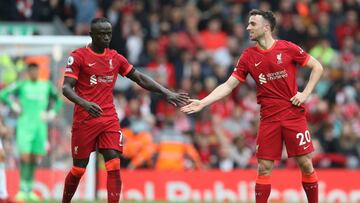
column 192, row 46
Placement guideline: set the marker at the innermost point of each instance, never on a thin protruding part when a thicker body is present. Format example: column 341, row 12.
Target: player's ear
column 267, row 26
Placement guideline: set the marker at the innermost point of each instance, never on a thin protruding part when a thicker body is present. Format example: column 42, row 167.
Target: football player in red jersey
column 272, row 64
column 90, row 76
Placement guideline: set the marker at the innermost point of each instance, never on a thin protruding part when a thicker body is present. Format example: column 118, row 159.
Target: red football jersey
column 274, row 71
column 96, row 75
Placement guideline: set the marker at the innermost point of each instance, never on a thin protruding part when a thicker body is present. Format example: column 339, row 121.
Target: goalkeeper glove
column 48, row 115
column 15, row 107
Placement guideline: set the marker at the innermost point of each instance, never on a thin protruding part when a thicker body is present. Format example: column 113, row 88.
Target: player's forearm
column 151, row 85
column 69, row 93
column 218, row 93
column 314, row 78
column 58, row 104
column 4, row 96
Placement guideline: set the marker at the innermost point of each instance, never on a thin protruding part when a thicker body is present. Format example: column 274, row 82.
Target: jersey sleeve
column 12, row 89
column 53, row 93
column 298, row 54
column 241, row 69
column 73, row 65
column 124, row 66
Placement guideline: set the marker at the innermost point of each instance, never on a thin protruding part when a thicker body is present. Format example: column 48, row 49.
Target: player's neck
column 266, row 42
column 96, row 49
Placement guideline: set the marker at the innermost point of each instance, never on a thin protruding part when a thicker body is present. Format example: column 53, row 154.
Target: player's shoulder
column 248, row 50
column 112, row 51
column 285, row 43
column 47, row 82
column 114, row 54
column 76, row 55
column 17, row 84
column 79, row 51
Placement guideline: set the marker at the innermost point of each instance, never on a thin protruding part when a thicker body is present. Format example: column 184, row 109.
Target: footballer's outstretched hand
column 194, row 106
column 93, row 109
column 177, row 99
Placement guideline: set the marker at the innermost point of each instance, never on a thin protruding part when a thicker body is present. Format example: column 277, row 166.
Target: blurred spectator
column 213, row 38
column 349, row 27
column 171, row 150
column 326, row 55
column 240, row 152
column 4, row 131
column 85, row 12
column 349, row 146
column 134, row 43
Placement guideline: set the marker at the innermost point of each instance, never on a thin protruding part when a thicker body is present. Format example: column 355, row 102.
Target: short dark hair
column 32, row 65
column 98, row 20
column 267, row 15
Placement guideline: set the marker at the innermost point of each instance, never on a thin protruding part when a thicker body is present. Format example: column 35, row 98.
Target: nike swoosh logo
column 306, row 147
column 256, row 64
column 91, row 64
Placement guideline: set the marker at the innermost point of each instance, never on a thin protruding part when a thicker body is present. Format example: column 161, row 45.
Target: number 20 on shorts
column 304, row 137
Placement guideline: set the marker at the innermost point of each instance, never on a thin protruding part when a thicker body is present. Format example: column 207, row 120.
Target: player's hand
column 93, row 109
column 299, row 98
column 177, row 99
column 48, row 116
column 193, row 107
column 15, row 107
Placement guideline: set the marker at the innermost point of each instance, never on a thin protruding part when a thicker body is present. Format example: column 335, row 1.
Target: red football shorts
column 101, row 133
column 293, row 132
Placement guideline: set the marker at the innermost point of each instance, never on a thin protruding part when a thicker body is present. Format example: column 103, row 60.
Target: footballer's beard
column 106, row 44
column 258, row 38
column 101, row 44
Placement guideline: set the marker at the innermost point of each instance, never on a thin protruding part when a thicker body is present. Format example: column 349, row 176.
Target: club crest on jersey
column 279, row 58
column 110, row 64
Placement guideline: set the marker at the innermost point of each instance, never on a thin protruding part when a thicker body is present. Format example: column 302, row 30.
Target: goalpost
column 34, row 45
column 57, row 49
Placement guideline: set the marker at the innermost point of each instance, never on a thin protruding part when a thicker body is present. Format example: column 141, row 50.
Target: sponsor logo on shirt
column 103, row 79
column 68, row 70
column 93, row 80
column 277, row 75
column 272, row 76
column 262, row 79
column 106, row 78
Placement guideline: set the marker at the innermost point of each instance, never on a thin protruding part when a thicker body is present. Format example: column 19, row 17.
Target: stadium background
column 192, row 46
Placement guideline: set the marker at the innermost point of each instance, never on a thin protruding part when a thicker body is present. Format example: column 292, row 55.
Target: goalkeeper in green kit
column 32, row 105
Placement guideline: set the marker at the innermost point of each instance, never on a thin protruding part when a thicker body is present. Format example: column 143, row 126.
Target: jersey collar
column 266, row 50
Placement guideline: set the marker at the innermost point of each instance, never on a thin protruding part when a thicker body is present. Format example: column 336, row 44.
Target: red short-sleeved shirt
column 96, row 75
column 274, row 71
